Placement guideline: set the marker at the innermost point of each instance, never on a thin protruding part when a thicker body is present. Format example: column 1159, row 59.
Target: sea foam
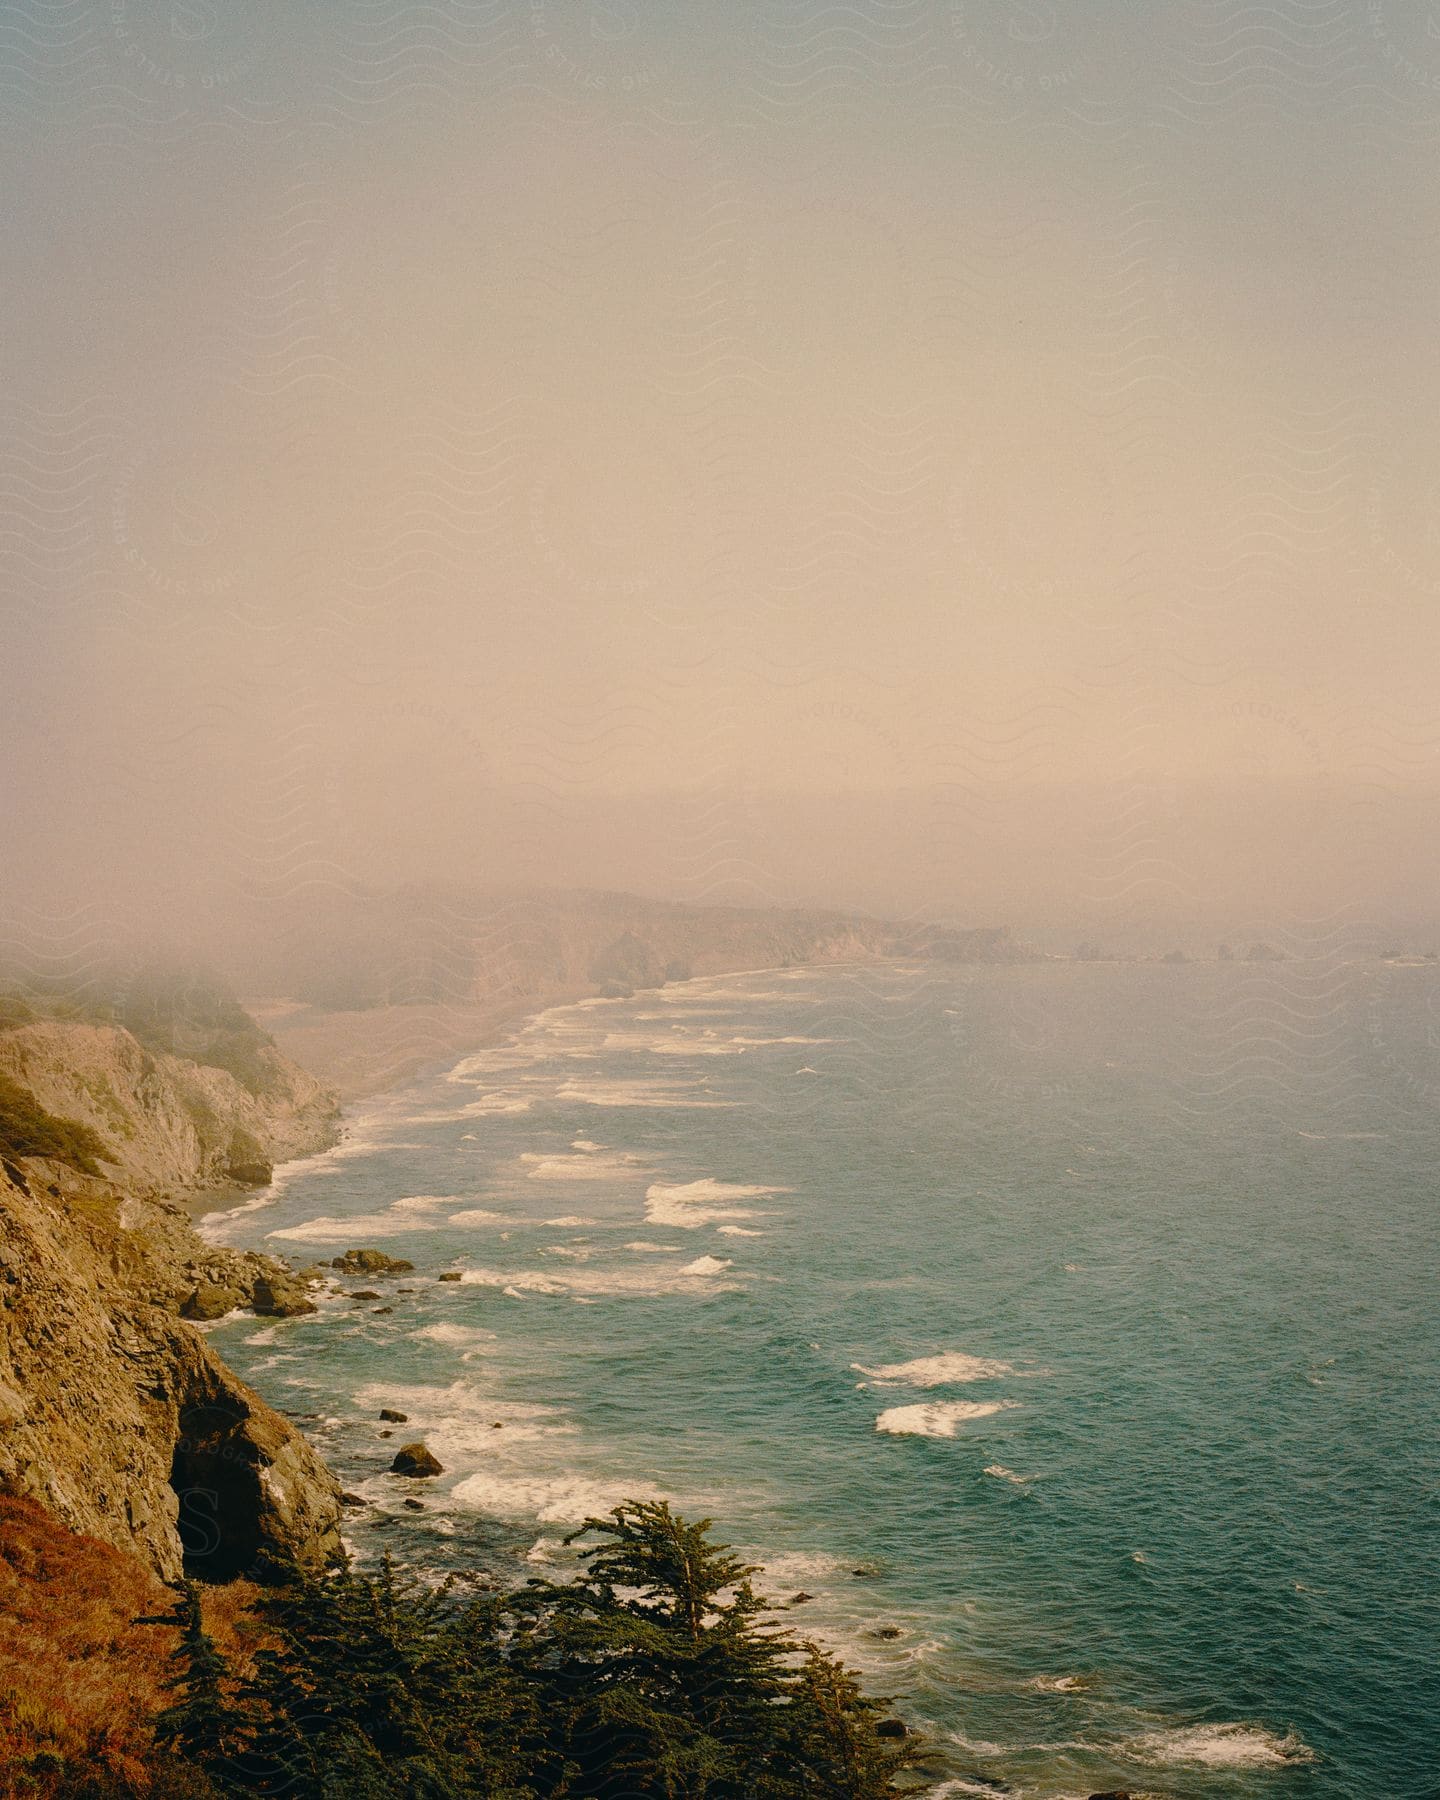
column 692, row 1203
column 587, row 1165
column 646, row 1282
column 937, row 1418
column 1225, row 1746
column 552, row 1499
column 641, row 1093
column 327, row 1230
column 459, row 1337
column 938, row 1371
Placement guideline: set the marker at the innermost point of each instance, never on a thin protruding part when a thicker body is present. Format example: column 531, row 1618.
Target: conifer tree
column 658, row 1674
column 202, row 1726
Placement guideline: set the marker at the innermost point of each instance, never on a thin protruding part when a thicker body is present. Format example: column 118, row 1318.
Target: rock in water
column 370, row 1262
column 279, row 1296
column 211, row 1301
column 391, row 1417
column 415, row 1460
column 450, row 1275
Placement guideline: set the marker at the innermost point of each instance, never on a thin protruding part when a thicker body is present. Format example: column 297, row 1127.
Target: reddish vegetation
column 80, row 1681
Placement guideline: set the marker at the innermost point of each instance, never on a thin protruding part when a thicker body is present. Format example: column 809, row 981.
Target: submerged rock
column 414, row 1505
column 391, row 1417
column 415, row 1460
column 450, row 1275
column 365, row 1294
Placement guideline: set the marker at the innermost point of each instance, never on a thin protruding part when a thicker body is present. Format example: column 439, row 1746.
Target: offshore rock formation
column 114, row 1413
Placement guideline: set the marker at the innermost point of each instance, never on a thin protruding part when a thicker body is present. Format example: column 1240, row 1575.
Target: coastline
column 364, row 1053
column 1237, row 1745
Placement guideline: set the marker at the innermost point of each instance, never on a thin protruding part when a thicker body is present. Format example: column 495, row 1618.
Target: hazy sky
column 958, row 455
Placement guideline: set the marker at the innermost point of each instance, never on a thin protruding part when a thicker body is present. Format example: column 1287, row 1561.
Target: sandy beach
column 364, row 1052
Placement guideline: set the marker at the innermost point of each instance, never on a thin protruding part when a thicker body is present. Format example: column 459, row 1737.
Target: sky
column 970, row 458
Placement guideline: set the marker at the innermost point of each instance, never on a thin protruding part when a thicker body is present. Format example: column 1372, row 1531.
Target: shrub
column 27, row 1129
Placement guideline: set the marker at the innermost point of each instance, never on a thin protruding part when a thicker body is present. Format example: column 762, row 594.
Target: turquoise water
column 1067, row 1333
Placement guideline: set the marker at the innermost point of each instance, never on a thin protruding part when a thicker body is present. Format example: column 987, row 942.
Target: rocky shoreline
column 127, row 1115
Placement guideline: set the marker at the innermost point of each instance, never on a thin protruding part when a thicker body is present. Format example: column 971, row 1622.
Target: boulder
column 415, row 1460
column 211, row 1300
column 450, row 1275
column 365, row 1294
column 353, row 1500
column 891, row 1728
column 250, row 1172
column 414, row 1505
column 280, row 1295
column 391, row 1417
column 370, row 1262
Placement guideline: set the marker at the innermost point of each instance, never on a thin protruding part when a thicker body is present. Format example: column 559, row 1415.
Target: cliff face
column 114, row 1412
column 167, row 1123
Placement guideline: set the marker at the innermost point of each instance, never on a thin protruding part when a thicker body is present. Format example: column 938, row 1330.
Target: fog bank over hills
column 1134, row 865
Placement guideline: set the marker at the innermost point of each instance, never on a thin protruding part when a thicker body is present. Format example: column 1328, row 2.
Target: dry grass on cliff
column 80, row 1681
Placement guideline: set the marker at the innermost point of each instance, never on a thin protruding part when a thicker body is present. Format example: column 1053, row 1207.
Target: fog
column 948, row 458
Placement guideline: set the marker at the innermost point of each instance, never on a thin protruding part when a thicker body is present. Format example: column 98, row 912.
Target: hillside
column 114, row 1413
column 388, row 982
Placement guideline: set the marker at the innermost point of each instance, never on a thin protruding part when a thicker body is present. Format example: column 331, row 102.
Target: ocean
column 1066, row 1334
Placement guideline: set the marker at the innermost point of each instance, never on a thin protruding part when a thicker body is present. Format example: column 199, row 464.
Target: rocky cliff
column 166, row 1123
column 114, row 1412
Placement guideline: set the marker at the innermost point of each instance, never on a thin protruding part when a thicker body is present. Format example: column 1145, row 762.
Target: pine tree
column 202, row 1727
column 662, row 1676
column 659, row 1674
column 831, row 1745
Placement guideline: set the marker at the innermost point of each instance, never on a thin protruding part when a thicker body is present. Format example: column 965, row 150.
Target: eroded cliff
column 114, row 1412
